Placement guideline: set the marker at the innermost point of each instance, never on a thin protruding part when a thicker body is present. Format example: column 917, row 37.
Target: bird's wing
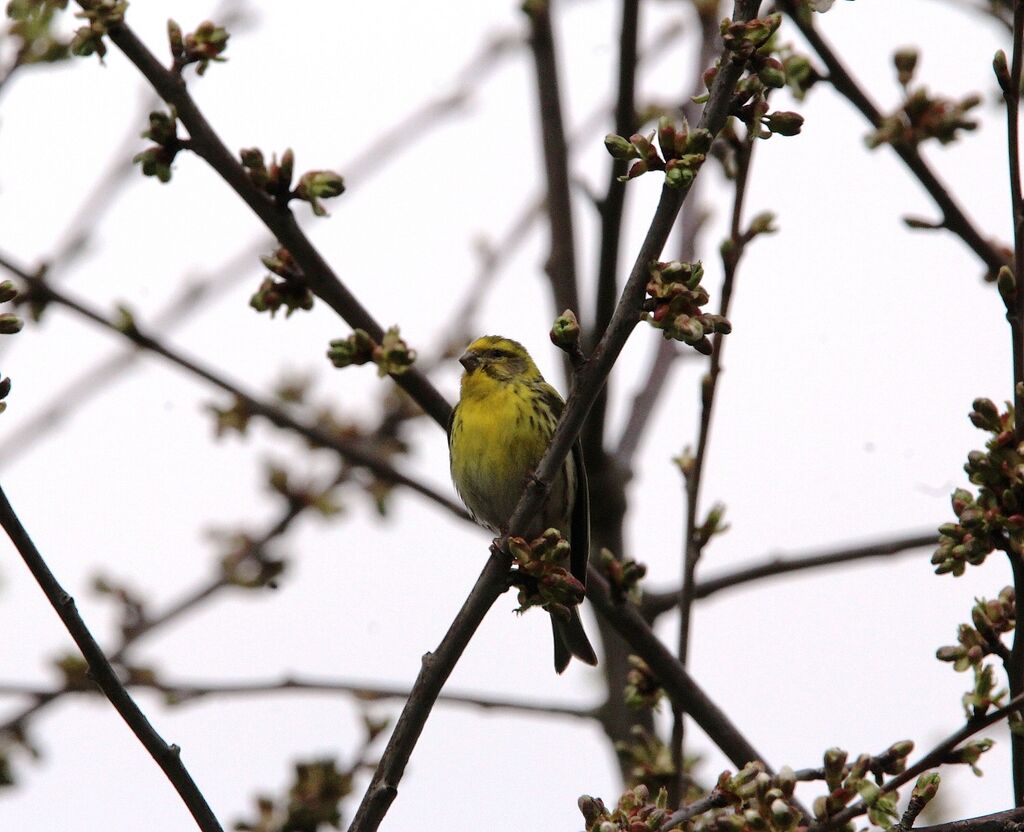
column 580, row 528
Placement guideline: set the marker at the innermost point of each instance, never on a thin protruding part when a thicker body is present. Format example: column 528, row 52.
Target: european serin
column 498, row 432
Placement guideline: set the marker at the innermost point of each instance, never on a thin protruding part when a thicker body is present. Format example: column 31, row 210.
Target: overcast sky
column 857, row 349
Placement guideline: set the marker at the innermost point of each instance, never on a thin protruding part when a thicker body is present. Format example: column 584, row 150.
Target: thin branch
column 561, row 264
column 181, row 692
column 612, row 208
column 656, row 603
column 168, row 757
column 693, row 540
column 953, row 217
column 936, row 757
column 354, row 451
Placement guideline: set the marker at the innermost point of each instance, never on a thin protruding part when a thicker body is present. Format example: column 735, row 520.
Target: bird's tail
column 571, row 640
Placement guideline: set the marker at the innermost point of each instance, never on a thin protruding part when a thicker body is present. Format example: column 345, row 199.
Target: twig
column 168, row 757
column 612, row 208
column 656, row 603
column 953, row 217
column 185, row 692
column 936, row 757
column 492, row 581
column 322, row 280
column 561, row 263
column 693, row 540
column 353, row 451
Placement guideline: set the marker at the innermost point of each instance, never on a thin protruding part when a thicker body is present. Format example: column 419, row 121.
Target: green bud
column 763, row 223
column 1002, row 71
column 678, row 177
column 699, row 141
column 772, row 74
column 1006, row 284
column 619, row 148
column 905, row 61
column 566, row 330
column 7, row 291
column 783, row 814
column 10, row 324
column 784, row 122
column 174, row 36
column 901, row 748
column 927, row 785
column 5, row 388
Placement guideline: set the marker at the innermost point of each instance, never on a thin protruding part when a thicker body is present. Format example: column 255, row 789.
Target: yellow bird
column 498, row 432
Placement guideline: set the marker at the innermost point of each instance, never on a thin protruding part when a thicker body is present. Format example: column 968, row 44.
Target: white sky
column 857, row 349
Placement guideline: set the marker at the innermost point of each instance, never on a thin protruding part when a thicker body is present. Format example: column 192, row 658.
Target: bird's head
column 499, row 358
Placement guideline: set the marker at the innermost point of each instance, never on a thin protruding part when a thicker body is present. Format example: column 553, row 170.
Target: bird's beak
column 470, row 361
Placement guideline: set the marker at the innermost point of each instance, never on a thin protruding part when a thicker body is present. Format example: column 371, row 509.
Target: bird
column 497, row 434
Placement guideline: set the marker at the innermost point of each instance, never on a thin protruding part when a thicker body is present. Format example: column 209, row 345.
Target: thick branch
column 168, row 757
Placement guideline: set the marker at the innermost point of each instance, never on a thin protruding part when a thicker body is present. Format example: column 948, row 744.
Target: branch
column 691, row 221
column 1015, row 316
column 656, row 603
column 693, row 540
column 953, row 217
column 936, row 757
column 168, row 757
column 997, row 822
column 436, row 669
column 672, row 676
column 189, row 601
column 281, row 222
column 612, row 208
column 561, row 264
column 354, row 451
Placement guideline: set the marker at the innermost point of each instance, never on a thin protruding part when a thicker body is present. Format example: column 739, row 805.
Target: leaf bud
column 619, row 148
column 10, row 324
column 784, row 122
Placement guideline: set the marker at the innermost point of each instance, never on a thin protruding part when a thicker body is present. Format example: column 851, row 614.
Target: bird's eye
column 494, row 354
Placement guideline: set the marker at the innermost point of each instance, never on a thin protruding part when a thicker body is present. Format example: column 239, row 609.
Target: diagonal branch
column 281, row 222
column 953, row 217
column 936, row 757
column 168, row 757
column 354, row 451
